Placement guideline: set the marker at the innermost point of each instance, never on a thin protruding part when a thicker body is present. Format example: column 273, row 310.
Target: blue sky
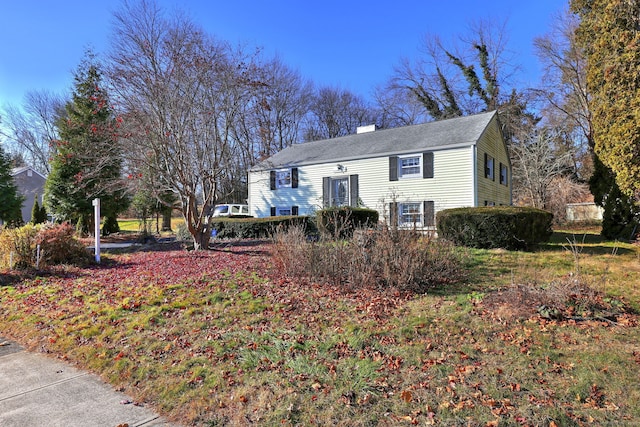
column 349, row 44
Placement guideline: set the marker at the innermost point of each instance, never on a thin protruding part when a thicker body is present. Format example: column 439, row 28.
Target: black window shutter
column 326, row 192
column 353, row 190
column 294, row 210
column 273, row 211
column 427, row 165
column 393, row 214
column 429, row 214
column 294, row 177
column 393, row 168
column 272, row 180
column 486, row 165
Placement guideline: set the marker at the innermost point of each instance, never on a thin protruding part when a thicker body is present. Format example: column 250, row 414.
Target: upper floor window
column 284, row 178
column 503, row 174
column 411, row 166
column 488, row 166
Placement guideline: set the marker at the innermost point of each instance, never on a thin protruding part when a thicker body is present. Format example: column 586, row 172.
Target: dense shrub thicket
column 512, row 228
column 57, row 242
column 340, row 222
column 382, row 257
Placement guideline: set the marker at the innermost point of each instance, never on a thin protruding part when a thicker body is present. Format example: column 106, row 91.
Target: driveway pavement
column 36, row 390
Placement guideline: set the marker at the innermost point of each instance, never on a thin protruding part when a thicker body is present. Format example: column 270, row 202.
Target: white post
column 96, row 210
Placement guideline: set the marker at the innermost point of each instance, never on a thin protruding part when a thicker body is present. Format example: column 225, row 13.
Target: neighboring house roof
column 459, row 131
column 18, row 171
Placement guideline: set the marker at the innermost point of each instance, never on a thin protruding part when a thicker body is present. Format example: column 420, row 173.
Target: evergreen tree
column 88, row 158
column 38, row 213
column 609, row 34
column 10, row 199
column 620, row 217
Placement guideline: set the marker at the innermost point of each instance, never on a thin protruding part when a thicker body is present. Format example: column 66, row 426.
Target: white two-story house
column 407, row 173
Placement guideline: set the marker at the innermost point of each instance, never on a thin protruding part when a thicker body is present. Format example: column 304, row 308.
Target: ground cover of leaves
column 221, row 338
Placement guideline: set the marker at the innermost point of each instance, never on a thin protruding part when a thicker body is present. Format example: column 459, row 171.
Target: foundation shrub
column 259, row 228
column 512, row 228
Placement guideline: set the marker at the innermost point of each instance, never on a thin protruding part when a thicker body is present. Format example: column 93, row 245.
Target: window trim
column 418, row 174
column 419, row 213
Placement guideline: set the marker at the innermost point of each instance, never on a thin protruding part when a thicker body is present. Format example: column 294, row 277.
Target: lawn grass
column 133, row 225
column 220, row 338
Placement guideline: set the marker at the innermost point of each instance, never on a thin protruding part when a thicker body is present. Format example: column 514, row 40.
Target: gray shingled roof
column 408, row 139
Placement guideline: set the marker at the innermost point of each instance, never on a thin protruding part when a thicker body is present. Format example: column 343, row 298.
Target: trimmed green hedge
column 258, row 228
column 512, row 228
column 341, row 221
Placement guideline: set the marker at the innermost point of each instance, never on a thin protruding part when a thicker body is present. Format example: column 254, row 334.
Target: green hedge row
column 341, row 220
column 258, row 228
column 512, row 228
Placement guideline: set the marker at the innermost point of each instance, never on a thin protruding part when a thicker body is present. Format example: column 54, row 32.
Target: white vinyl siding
column 490, row 191
column 451, row 186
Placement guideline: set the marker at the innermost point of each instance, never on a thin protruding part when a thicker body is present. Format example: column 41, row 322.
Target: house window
column 503, row 174
column 488, row 166
column 283, row 178
column 409, row 167
column 410, row 214
column 413, row 214
column 284, row 210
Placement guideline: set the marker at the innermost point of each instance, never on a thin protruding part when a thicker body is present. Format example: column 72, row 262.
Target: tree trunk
column 166, row 220
column 201, row 240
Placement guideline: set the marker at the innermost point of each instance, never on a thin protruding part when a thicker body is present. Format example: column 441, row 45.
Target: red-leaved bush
column 58, row 245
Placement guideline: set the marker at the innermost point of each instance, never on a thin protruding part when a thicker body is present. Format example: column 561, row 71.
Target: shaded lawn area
column 220, row 338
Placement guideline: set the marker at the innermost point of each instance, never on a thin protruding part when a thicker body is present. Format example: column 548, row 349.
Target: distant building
column 581, row 212
column 30, row 185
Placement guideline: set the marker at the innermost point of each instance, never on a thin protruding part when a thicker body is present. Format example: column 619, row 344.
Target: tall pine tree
column 88, row 159
column 10, row 199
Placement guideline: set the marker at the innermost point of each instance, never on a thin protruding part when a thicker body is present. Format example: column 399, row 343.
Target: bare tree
column 537, row 165
column 270, row 120
column 31, row 130
column 468, row 77
column 564, row 90
column 398, row 107
column 280, row 100
column 180, row 92
column 337, row 112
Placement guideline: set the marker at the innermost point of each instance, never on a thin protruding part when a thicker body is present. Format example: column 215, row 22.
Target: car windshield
column 221, row 210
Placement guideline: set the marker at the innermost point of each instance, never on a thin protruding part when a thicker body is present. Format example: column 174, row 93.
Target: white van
column 231, row 210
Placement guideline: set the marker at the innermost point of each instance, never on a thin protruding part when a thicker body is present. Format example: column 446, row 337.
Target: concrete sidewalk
column 36, row 390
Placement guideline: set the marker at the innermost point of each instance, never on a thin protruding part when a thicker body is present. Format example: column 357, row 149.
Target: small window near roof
column 410, row 166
